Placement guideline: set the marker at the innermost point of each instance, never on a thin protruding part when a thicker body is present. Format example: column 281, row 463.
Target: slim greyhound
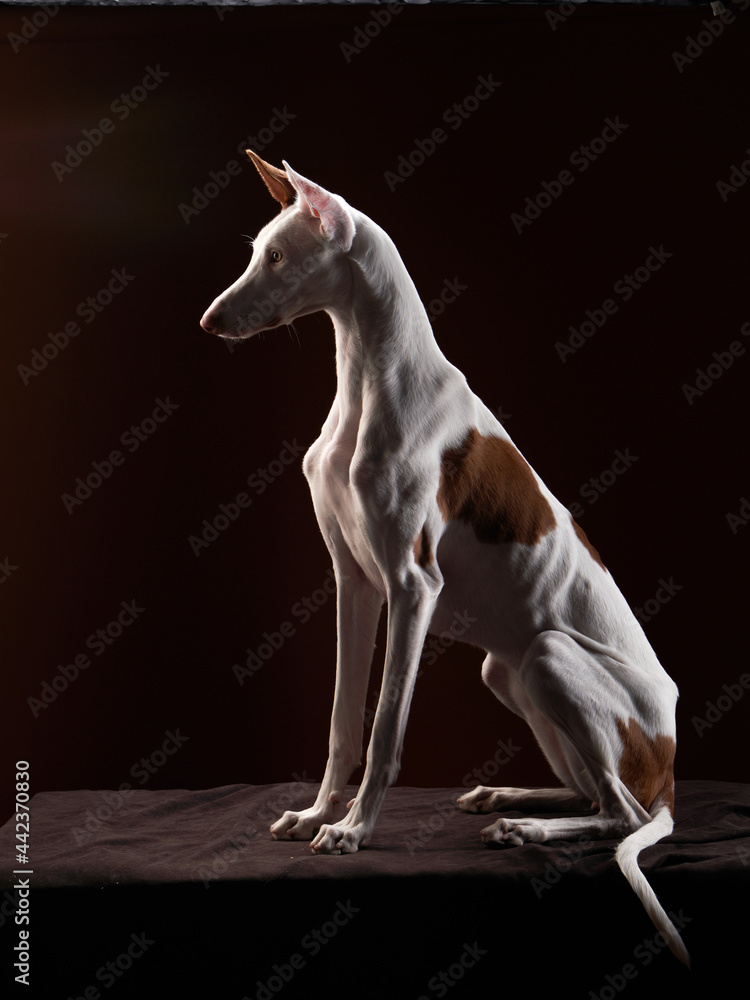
column 425, row 503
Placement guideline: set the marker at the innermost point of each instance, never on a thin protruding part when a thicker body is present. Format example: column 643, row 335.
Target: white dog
column 425, row 503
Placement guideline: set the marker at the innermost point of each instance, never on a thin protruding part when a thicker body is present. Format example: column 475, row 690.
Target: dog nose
column 211, row 321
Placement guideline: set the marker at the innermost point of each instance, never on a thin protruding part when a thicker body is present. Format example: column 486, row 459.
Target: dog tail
column 626, row 856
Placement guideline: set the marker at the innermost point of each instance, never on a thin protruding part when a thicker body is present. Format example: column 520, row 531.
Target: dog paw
column 483, row 800
column 513, row 832
column 339, row 838
column 299, row 825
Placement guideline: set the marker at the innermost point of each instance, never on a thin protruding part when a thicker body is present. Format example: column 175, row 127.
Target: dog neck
column 385, row 347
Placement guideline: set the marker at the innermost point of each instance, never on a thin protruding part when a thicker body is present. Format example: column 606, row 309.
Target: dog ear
column 275, row 180
column 336, row 221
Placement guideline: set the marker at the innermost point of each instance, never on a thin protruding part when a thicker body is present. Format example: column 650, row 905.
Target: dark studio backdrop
column 580, row 237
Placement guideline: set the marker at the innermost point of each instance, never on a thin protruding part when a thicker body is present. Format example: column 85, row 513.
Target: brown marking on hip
column 647, row 765
column 486, row 483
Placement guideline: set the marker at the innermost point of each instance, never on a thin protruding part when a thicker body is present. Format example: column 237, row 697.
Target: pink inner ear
column 335, row 223
column 313, row 195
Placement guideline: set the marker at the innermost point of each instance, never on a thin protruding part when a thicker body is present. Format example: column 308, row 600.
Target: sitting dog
column 425, row 503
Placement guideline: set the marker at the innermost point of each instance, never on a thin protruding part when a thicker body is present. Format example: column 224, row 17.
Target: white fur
column 564, row 650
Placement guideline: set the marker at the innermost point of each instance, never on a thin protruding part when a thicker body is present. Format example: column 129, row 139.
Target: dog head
column 299, row 263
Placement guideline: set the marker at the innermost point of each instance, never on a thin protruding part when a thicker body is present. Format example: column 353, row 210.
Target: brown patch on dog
column 276, row 180
column 582, row 537
column 422, row 553
column 486, row 483
column 647, row 765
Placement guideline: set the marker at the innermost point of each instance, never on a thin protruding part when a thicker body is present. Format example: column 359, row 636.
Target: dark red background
column 665, row 518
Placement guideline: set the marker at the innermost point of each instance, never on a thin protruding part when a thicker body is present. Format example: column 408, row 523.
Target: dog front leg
column 409, row 612
column 358, row 610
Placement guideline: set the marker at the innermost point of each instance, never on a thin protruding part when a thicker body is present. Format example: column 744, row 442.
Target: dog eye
column 275, row 256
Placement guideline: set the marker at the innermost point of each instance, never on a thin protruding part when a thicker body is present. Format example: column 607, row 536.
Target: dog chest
column 327, row 467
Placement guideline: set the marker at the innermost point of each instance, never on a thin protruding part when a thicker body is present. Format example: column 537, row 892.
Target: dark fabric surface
column 99, row 838
column 185, row 893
